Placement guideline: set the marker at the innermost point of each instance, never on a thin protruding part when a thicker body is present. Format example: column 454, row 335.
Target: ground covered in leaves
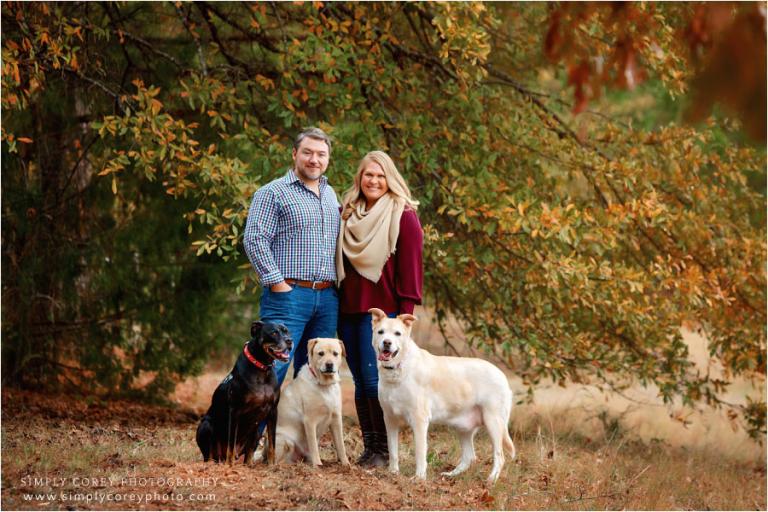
column 68, row 453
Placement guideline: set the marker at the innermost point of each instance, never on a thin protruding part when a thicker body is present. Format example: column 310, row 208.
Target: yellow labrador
column 310, row 404
column 417, row 388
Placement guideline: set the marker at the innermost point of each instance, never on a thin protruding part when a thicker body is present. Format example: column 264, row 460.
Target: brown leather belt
column 315, row 285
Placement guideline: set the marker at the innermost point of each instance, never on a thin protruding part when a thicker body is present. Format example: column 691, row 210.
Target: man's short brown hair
column 313, row 133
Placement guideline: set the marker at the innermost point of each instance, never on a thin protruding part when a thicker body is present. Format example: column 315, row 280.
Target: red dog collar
column 252, row 359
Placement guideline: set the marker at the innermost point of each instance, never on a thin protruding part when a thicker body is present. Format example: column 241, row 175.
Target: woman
column 379, row 264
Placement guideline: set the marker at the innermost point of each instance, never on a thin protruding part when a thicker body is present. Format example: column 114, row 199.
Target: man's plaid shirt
column 291, row 233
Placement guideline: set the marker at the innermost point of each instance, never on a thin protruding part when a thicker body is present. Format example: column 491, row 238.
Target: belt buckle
column 314, row 283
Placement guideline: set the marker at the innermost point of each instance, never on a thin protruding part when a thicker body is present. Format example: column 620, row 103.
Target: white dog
column 417, row 388
column 310, row 404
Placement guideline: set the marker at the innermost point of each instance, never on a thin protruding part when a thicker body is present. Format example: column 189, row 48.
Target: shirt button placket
column 322, row 232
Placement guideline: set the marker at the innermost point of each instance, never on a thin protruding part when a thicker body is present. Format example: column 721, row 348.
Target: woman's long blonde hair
column 395, row 183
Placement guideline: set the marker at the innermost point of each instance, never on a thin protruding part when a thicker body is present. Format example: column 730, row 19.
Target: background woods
column 574, row 220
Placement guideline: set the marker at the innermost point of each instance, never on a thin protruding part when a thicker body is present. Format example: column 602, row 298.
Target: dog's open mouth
column 280, row 356
column 386, row 355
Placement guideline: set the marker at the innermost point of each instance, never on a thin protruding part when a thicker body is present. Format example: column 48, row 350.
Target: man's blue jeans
column 307, row 314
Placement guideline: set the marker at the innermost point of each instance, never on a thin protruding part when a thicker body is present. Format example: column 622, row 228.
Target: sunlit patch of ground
column 638, row 411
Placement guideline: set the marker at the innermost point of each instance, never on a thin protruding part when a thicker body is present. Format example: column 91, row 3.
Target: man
column 290, row 238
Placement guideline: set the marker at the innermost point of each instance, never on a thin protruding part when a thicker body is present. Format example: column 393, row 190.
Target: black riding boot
column 366, row 427
column 380, row 448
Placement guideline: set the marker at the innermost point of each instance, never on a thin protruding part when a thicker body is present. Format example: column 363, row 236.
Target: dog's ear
column 407, row 319
column 256, row 329
column 377, row 314
column 311, row 345
column 343, row 349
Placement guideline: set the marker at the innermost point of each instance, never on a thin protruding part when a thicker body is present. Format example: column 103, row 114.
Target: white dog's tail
column 509, row 446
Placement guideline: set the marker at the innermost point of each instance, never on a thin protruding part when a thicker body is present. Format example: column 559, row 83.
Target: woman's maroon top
column 399, row 288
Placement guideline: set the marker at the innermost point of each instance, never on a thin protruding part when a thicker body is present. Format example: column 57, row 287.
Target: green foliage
column 574, row 246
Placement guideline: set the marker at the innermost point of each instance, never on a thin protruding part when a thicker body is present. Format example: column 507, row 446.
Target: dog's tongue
column 385, row 356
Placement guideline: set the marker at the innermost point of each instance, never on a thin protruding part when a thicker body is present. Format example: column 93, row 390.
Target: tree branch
column 184, row 17
column 263, row 40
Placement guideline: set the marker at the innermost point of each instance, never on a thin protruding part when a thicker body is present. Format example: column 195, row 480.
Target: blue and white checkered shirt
column 291, row 233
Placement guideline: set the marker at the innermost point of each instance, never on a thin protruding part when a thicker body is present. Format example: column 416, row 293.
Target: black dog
column 246, row 397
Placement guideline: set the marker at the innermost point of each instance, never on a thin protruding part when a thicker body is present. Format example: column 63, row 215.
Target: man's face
column 310, row 160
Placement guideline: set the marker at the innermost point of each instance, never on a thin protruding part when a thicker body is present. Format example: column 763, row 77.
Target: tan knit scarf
column 368, row 237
